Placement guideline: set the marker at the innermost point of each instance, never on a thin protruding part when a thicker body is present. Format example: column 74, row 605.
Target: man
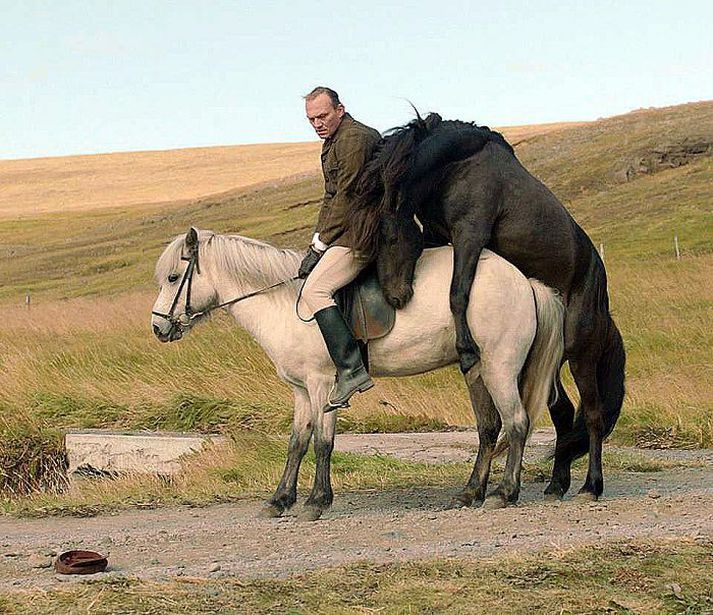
column 330, row 262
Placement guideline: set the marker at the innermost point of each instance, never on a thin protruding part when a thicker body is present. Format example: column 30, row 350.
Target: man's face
column 325, row 118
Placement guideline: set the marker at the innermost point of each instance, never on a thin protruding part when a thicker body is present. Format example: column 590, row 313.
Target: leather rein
column 184, row 321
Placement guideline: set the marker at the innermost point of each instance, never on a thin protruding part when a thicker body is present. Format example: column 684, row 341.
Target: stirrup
column 330, row 406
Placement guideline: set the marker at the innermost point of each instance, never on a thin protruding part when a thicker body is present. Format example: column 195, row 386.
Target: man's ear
column 192, row 240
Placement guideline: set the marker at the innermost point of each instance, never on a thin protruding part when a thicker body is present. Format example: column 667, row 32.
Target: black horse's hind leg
column 466, row 252
column 489, row 423
column 562, row 413
column 585, row 376
column 286, row 493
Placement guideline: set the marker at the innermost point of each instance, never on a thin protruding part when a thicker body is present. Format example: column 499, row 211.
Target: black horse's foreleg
column 489, row 423
column 466, row 252
column 562, row 413
column 286, row 493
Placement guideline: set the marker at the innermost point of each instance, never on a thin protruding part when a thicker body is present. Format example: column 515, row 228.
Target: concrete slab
column 97, row 451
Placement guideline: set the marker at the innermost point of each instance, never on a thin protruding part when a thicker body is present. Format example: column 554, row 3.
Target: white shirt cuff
column 317, row 244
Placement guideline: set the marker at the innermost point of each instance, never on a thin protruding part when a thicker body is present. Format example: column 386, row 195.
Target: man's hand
column 308, row 263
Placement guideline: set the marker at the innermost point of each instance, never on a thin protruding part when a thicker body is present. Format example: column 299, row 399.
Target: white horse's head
column 186, row 289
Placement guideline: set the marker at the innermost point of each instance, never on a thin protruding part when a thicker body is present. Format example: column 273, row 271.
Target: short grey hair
column 320, row 89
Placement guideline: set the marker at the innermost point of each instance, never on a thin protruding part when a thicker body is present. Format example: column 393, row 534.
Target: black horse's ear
column 192, row 240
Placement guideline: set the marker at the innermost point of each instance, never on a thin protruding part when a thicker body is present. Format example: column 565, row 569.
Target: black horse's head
column 400, row 246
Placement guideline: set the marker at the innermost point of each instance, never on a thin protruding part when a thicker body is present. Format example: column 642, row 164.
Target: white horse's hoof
column 270, row 511
column 493, row 502
column 310, row 513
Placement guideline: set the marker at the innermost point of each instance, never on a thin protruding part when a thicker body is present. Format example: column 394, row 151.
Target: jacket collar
column 347, row 119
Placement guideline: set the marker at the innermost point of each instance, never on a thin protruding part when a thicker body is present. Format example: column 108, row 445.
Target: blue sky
column 100, row 76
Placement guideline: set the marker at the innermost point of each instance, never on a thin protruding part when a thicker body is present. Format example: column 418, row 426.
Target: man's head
column 324, row 111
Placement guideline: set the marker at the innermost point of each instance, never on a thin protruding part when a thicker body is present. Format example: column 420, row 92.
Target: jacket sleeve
column 351, row 155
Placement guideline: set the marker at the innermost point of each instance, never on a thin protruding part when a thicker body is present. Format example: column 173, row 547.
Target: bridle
column 184, row 321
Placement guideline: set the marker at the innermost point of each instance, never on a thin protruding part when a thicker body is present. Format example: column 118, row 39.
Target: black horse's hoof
column 554, row 493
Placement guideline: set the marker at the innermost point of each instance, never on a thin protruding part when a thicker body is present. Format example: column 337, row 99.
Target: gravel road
column 383, row 526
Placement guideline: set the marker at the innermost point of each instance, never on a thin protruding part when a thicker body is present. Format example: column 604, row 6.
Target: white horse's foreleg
column 506, row 396
column 320, row 499
column 489, row 424
column 302, row 424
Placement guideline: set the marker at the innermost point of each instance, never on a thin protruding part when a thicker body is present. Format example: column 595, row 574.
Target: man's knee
column 316, row 296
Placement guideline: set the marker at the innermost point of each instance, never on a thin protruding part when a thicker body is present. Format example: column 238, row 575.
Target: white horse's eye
column 173, row 278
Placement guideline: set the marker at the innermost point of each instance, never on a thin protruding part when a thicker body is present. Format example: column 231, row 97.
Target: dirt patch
column 380, row 526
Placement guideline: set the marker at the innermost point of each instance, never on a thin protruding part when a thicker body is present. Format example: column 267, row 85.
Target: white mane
column 242, row 258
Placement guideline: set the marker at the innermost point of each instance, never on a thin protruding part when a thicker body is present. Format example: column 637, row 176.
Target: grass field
column 631, row 577
column 83, row 354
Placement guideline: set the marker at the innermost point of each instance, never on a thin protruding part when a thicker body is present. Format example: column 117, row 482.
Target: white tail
column 545, row 356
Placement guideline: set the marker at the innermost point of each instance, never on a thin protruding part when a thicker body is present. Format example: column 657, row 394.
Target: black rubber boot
column 352, row 376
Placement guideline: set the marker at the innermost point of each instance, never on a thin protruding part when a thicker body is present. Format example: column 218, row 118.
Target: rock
column 214, row 568
column 654, row 494
column 675, row 589
column 39, row 561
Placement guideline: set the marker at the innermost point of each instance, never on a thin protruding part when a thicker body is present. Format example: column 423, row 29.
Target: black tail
column 610, row 382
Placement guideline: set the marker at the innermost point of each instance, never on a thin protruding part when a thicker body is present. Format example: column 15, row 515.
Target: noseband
column 183, row 321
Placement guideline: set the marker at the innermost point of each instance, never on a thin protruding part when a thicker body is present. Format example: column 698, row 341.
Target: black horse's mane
column 408, row 154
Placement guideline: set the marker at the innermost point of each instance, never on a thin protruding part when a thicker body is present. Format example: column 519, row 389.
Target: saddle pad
column 364, row 307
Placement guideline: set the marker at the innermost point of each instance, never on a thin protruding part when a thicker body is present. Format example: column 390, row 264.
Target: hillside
column 83, row 355
column 136, row 179
column 83, row 183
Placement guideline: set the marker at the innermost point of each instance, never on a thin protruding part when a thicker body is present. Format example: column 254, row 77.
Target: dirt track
column 379, row 526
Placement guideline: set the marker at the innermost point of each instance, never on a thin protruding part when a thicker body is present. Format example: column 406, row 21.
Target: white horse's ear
column 192, row 239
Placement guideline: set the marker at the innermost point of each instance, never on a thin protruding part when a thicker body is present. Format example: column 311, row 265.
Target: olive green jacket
column 343, row 156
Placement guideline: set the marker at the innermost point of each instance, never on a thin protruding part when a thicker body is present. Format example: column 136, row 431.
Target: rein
column 183, row 321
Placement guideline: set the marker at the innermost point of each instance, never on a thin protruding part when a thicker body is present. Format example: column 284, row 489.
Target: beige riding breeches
column 337, row 267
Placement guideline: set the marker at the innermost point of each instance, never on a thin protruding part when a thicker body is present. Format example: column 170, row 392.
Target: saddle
column 364, row 307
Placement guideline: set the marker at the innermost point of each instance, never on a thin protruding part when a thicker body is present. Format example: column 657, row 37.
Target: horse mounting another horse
column 509, row 385
column 466, row 187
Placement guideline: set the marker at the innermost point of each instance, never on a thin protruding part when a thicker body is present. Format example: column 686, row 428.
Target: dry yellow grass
column 84, row 183
column 518, row 134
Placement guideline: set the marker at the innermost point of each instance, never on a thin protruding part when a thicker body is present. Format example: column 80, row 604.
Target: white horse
column 516, row 322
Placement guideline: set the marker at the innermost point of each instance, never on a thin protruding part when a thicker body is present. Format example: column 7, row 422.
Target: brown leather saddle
column 364, row 307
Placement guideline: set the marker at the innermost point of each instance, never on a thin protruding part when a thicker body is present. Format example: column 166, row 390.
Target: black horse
column 465, row 185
